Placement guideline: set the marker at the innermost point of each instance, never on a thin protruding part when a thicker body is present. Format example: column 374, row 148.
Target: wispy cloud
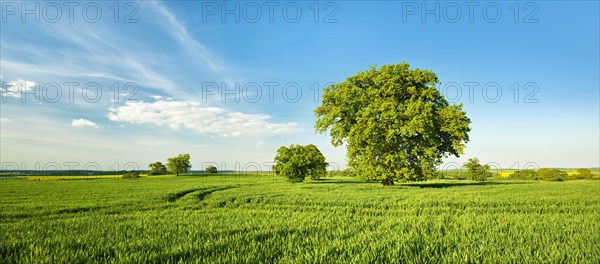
column 161, row 54
column 83, row 123
column 180, row 32
column 103, row 51
column 190, row 115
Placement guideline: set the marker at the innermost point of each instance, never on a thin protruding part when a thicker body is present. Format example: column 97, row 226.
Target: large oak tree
column 396, row 125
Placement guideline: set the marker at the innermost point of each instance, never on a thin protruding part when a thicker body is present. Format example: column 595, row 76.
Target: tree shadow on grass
column 458, row 184
column 341, row 181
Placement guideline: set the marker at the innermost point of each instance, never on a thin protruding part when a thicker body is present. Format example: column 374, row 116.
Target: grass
column 262, row 219
column 68, row 177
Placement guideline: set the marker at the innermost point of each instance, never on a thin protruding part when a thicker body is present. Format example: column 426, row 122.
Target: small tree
column 297, row 162
column 157, row 168
column 476, row 171
column 211, row 169
column 179, row 164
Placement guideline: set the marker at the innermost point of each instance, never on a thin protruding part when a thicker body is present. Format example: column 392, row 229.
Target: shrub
column 584, row 174
column 211, row 169
column 131, row 175
column 523, row 175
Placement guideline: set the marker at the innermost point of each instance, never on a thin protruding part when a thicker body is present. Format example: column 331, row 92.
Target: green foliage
column 545, row 174
column 584, row 174
column 476, row 171
column 256, row 219
column 396, row 125
column 523, row 175
column 131, row 175
column 548, row 174
column 179, row 164
column 157, row 168
column 297, row 162
column 211, row 169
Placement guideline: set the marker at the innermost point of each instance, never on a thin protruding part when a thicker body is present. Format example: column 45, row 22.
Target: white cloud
column 83, row 123
column 190, row 115
column 16, row 88
column 3, row 120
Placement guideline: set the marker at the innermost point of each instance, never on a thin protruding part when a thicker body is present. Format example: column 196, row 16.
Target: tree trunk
column 387, row 182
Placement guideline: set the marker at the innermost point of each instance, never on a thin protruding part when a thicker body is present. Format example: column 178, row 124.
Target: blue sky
column 230, row 91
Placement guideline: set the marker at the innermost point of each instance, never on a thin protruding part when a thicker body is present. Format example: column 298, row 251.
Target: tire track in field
column 175, row 196
column 200, row 195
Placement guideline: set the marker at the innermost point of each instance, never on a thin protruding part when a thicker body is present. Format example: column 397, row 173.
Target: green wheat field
column 263, row 219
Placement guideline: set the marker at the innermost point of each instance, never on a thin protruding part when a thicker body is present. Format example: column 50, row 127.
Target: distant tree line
column 547, row 174
column 175, row 165
column 473, row 170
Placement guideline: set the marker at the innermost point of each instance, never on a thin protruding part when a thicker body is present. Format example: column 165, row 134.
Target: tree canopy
column 546, row 174
column 396, row 125
column 524, row 175
column 157, row 168
column 179, row 164
column 211, row 169
column 477, row 171
column 297, row 162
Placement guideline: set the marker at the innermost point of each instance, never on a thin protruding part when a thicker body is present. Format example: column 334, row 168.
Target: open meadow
column 299, row 132
column 263, row 219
